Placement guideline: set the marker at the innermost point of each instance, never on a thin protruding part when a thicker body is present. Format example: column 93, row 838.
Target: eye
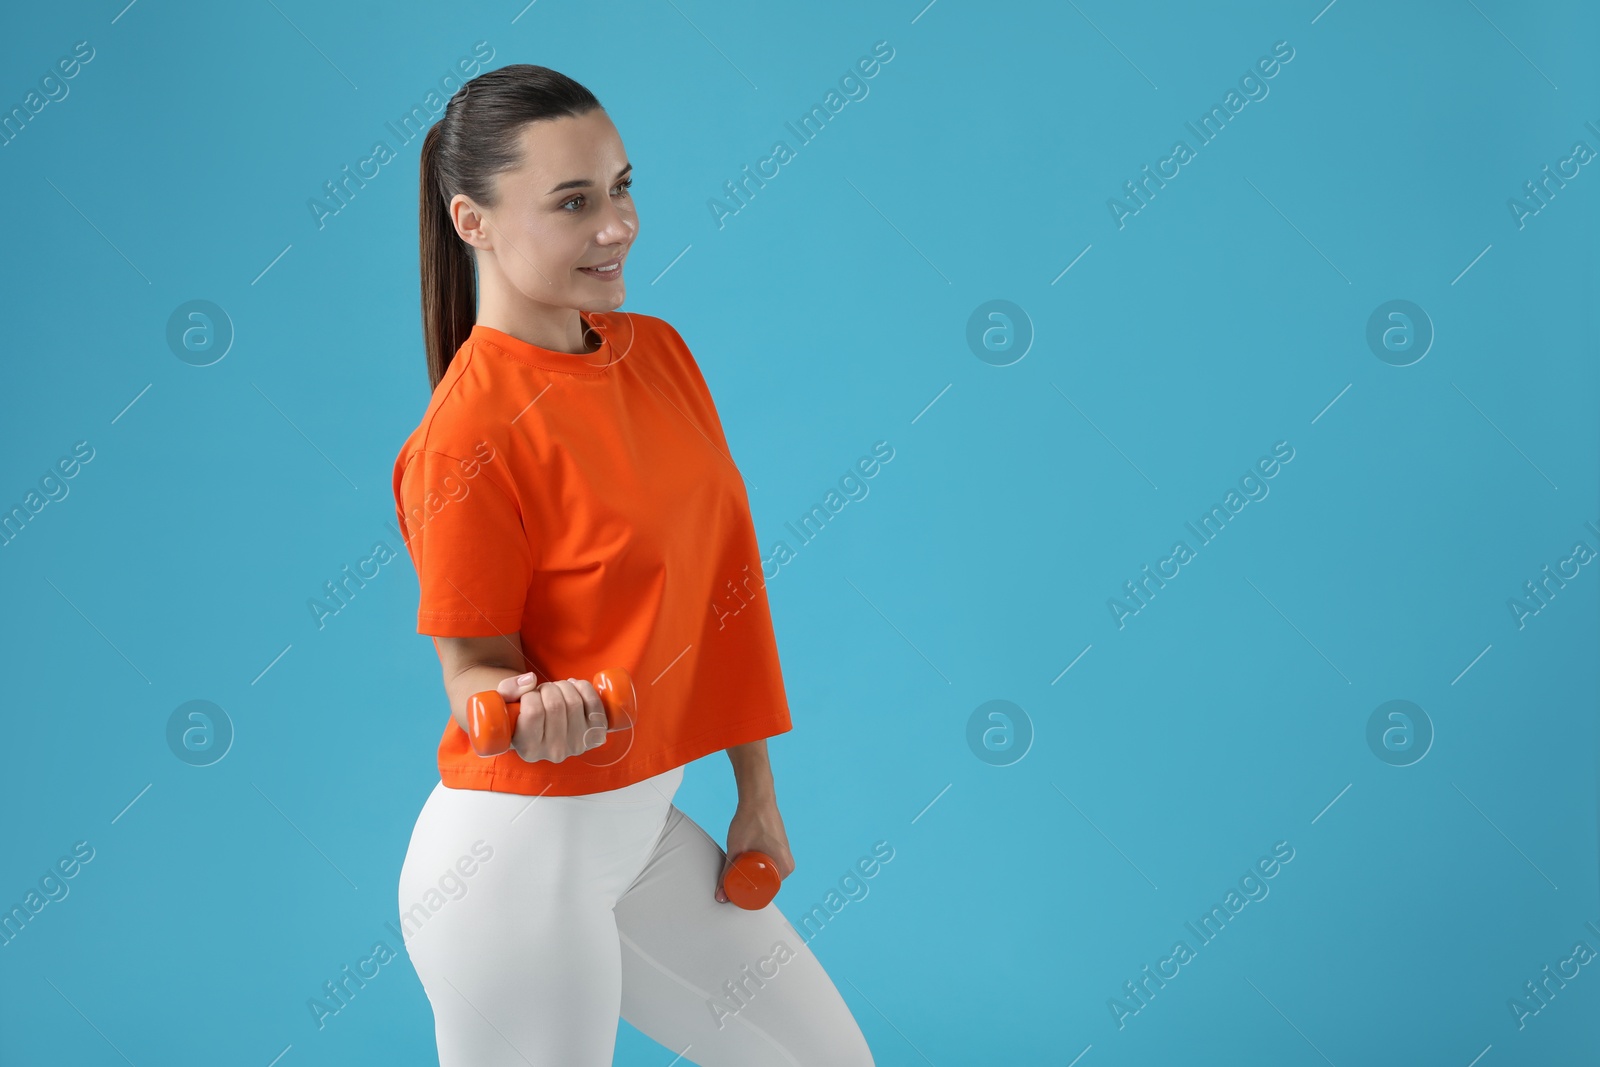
column 622, row 187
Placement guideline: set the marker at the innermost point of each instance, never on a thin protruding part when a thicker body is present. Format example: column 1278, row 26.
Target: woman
column 570, row 505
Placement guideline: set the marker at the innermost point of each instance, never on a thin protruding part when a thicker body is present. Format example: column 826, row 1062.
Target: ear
column 470, row 221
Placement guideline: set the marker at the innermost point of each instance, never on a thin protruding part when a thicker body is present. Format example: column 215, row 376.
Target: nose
column 619, row 225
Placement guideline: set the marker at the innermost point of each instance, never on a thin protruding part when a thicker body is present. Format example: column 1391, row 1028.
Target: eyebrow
column 584, row 183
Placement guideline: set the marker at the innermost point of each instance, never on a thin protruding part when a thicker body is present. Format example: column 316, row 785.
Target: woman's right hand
column 554, row 720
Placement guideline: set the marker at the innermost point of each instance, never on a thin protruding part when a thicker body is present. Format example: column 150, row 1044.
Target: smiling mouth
column 610, row 269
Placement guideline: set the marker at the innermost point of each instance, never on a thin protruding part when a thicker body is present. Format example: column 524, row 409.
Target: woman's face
column 566, row 209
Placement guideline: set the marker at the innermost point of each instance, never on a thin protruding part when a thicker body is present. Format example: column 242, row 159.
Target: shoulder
column 667, row 349
column 649, row 331
column 461, row 422
column 647, row 324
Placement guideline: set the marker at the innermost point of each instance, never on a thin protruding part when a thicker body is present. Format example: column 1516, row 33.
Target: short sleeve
column 468, row 544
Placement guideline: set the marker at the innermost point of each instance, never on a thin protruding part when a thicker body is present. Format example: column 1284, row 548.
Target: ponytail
column 475, row 139
column 449, row 290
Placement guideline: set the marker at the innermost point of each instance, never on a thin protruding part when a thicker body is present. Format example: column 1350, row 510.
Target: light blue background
column 1227, row 315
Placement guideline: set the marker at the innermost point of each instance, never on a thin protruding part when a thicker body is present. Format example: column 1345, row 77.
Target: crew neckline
column 548, row 358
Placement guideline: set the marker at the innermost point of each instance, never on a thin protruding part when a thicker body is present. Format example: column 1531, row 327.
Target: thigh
column 723, row 986
column 519, row 958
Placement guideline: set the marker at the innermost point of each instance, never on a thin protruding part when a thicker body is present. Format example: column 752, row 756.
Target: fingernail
column 525, row 678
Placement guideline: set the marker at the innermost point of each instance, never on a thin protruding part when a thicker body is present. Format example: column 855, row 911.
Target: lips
column 599, row 269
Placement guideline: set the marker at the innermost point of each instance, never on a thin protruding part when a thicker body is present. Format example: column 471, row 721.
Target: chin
column 603, row 304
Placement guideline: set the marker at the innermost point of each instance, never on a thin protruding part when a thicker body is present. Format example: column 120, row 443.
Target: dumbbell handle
column 491, row 724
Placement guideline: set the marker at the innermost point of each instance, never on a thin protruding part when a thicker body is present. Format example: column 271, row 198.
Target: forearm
column 470, row 680
column 752, row 772
column 473, row 664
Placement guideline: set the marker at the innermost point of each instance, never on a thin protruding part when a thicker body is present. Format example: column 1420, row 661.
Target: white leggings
column 534, row 922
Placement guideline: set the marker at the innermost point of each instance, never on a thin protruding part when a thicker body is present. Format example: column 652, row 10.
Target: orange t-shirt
column 589, row 503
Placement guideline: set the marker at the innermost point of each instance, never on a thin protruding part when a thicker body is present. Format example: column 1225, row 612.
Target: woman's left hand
column 757, row 827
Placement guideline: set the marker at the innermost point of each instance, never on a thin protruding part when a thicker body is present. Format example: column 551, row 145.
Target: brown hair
column 475, row 139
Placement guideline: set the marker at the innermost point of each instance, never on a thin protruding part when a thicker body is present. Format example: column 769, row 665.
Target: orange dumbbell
column 491, row 725
column 752, row 880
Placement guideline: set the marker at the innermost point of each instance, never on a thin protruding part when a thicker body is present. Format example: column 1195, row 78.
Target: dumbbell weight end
column 752, row 880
